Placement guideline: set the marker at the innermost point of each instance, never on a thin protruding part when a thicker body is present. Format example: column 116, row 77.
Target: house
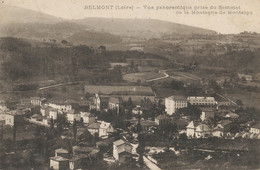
column 59, row 163
column 99, row 103
column 137, row 111
column 224, row 123
column 3, row 106
column 162, row 120
column 245, row 76
column 122, row 150
column 217, row 132
column 62, row 153
column 201, row 101
column 53, row 113
column 202, row 131
column 190, row 129
column 84, row 150
column 180, row 123
column 77, row 161
column 255, row 129
column 194, row 129
column 8, row 119
column 73, row 115
column 114, row 103
column 49, row 112
column 147, row 125
column 207, row 113
column 87, row 117
column 105, row 129
column 40, row 120
column 146, row 105
column 61, row 106
column 173, row 103
column 37, row 101
column 231, row 115
column 93, row 128
column 44, row 111
column 106, row 144
column 25, row 101
column 79, row 150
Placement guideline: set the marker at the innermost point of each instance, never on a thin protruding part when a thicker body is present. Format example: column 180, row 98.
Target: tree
column 74, row 126
column 141, row 148
column 102, row 48
column 61, row 122
column 64, row 42
column 178, row 85
column 51, row 124
column 86, row 136
column 239, row 102
column 81, row 121
column 14, row 132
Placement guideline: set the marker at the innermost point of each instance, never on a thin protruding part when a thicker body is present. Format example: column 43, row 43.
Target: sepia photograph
column 129, row 84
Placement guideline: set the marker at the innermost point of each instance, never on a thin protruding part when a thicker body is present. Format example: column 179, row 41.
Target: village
column 138, row 93
column 115, row 126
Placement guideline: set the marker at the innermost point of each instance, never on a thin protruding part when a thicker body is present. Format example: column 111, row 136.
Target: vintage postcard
column 129, row 84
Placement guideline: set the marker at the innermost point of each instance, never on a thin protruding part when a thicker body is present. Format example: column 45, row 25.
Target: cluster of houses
column 209, row 107
column 121, row 151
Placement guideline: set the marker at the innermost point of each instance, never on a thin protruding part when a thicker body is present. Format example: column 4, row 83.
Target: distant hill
column 92, row 38
column 59, row 30
column 24, row 23
column 145, row 28
column 9, row 14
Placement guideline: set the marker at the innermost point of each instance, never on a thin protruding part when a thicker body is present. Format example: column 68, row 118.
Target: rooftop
column 61, row 150
column 200, row 98
column 202, row 128
column 179, row 98
column 162, row 117
column 119, row 142
column 257, row 126
column 73, row 112
column 37, row 98
column 94, row 126
column 58, row 158
column 116, row 100
column 137, row 90
column 87, row 114
column 148, row 123
column 83, row 149
column 104, row 125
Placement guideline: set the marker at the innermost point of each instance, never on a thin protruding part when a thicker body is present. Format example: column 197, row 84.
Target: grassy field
column 183, row 76
column 249, row 99
column 133, row 77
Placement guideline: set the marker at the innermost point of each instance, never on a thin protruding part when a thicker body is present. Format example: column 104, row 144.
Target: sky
column 222, row 23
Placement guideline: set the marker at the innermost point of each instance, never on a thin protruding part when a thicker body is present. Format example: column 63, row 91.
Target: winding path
column 159, row 78
column 150, row 164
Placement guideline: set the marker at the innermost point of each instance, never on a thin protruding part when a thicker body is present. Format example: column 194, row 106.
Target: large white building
column 61, row 107
column 198, row 100
column 173, row 103
column 255, row 129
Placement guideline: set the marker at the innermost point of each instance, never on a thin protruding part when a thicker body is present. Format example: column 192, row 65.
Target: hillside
column 10, row 14
column 93, row 38
column 40, row 30
column 24, row 23
column 144, row 28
